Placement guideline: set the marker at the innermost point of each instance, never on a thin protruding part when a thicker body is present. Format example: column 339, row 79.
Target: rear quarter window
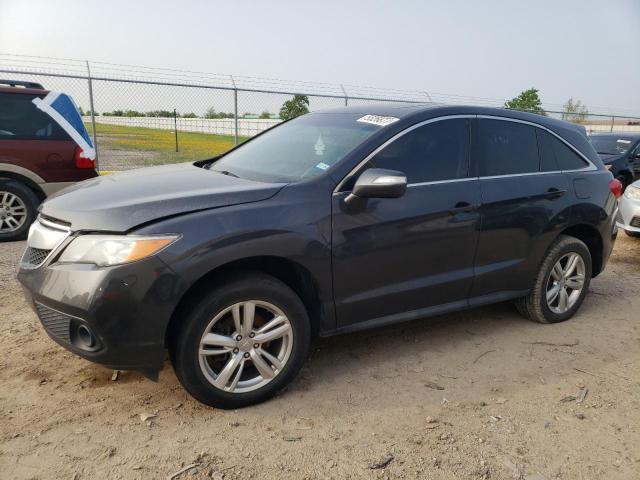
column 556, row 155
column 20, row 119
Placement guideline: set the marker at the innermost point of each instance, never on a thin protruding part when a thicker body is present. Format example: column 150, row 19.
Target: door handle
column 462, row 207
column 554, row 193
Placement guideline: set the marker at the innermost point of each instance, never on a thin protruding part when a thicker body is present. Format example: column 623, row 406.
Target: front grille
column 54, row 322
column 34, row 256
column 619, row 218
column 44, row 237
column 635, row 222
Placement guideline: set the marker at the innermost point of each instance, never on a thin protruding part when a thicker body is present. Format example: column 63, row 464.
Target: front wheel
column 242, row 343
column 561, row 284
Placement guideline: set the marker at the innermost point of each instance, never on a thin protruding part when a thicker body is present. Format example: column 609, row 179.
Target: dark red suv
column 37, row 157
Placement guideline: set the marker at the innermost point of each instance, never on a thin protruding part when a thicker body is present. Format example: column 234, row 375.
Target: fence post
column 235, row 111
column 612, row 120
column 346, row 97
column 93, row 115
column 175, row 126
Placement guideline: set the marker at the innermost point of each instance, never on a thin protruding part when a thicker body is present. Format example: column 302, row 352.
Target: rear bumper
column 125, row 308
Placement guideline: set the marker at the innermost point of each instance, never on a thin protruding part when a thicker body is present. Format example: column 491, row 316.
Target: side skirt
column 427, row 312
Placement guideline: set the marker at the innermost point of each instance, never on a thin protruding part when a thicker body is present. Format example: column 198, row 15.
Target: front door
column 406, row 257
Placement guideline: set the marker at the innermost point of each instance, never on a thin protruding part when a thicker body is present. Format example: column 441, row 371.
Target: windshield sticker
column 378, row 120
column 319, row 146
column 624, row 141
column 322, row 166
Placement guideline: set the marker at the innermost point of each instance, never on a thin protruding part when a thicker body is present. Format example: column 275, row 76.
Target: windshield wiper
column 227, row 172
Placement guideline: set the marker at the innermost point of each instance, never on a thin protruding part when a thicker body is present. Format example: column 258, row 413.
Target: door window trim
column 355, row 169
column 589, row 167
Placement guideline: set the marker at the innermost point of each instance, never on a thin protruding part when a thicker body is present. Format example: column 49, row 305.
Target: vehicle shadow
column 479, row 349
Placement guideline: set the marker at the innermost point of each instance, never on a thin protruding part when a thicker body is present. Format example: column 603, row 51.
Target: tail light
column 616, row 187
column 82, row 161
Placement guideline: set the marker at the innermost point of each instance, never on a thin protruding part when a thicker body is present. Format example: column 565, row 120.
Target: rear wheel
column 242, row 343
column 561, row 284
column 18, row 207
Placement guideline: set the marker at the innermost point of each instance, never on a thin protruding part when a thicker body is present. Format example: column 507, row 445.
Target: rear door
column 401, row 257
column 525, row 204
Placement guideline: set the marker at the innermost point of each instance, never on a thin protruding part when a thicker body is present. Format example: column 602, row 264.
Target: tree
column 265, row 114
column 527, row 101
column 189, row 115
column 132, row 113
column 574, row 112
column 160, row 113
column 298, row 105
column 211, row 113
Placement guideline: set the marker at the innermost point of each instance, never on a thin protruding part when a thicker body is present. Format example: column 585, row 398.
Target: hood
column 122, row 201
column 609, row 158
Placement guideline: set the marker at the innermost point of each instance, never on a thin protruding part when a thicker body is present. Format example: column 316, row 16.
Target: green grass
column 156, row 146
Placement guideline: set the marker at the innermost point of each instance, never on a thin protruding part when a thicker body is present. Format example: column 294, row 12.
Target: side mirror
column 379, row 183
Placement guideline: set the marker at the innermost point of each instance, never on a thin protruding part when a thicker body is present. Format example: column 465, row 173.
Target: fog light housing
column 83, row 337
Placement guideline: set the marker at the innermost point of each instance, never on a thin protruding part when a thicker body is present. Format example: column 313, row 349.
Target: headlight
column 608, row 166
column 106, row 250
column 632, row 192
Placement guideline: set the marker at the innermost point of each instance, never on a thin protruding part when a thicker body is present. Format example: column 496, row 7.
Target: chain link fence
column 148, row 116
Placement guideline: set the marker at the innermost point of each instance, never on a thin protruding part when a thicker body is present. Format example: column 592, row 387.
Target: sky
column 585, row 49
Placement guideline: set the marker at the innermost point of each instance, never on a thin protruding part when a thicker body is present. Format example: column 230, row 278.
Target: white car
column 629, row 212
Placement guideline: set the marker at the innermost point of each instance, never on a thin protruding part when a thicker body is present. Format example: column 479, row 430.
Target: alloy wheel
column 565, row 283
column 245, row 346
column 13, row 212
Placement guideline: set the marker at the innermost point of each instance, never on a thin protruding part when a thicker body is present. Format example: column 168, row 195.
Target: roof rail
column 18, row 83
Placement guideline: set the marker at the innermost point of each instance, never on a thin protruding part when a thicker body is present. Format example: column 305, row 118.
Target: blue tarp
column 63, row 110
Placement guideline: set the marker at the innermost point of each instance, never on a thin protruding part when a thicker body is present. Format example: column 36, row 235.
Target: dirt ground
column 481, row 394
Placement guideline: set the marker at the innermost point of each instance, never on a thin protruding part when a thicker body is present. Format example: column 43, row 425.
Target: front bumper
column 126, row 308
column 628, row 217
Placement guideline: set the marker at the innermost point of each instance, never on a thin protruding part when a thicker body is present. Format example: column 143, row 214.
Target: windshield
column 611, row 144
column 299, row 149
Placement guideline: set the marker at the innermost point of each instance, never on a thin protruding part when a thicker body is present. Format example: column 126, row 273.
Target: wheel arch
column 294, row 275
column 10, row 175
column 591, row 237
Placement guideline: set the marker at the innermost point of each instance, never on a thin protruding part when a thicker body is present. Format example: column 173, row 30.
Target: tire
column 535, row 305
column 198, row 373
column 632, row 234
column 18, row 210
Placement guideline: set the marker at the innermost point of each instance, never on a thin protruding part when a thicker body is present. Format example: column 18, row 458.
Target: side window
column 21, row 119
column 433, row 152
column 505, row 148
column 556, row 155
